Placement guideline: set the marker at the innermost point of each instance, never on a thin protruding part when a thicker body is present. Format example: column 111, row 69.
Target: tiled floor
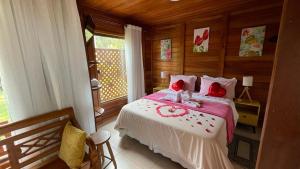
column 130, row 154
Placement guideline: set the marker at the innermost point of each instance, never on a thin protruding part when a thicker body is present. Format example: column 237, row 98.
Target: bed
column 194, row 138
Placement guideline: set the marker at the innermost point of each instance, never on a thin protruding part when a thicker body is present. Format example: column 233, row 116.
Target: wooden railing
column 112, row 74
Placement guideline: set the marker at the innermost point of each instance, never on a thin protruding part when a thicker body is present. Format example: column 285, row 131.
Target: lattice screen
column 112, row 73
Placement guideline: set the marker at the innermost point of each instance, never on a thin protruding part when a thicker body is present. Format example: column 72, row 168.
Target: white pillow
column 228, row 84
column 189, row 81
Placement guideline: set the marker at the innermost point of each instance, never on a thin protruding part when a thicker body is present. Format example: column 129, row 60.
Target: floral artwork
column 252, row 41
column 201, row 39
column 165, row 49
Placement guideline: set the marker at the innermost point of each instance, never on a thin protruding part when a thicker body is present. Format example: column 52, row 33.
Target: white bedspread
column 196, row 140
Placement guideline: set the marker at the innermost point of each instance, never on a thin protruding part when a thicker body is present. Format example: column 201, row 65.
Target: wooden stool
column 100, row 138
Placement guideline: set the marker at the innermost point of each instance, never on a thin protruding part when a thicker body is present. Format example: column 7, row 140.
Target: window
column 4, row 116
column 111, row 67
column 88, row 34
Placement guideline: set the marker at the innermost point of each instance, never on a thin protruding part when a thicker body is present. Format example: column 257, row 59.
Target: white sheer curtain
column 42, row 59
column 134, row 62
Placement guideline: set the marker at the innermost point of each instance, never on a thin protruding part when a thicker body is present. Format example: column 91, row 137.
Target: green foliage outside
column 88, row 34
column 102, row 42
column 110, row 54
column 3, row 107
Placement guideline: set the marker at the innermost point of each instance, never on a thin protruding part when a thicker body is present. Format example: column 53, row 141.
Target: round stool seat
column 100, row 136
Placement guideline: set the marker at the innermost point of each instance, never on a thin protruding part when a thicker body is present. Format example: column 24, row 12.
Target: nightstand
column 248, row 112
column 156, row 89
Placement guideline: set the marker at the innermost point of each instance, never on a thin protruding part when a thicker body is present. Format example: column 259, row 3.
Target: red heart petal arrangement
column 171, row 111
column 216, row 90
column 178, row 85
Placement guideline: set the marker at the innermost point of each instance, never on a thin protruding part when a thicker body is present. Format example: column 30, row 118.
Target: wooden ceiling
column 153, row 12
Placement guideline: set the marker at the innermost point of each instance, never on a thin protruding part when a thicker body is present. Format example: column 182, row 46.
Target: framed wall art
column 166, row 49
column 201, row 39
column 252, row 41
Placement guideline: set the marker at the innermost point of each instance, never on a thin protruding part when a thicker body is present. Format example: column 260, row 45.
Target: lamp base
column 163, row 83
column 246, row 90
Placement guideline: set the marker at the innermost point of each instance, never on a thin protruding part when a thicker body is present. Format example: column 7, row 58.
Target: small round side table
column 100, row 138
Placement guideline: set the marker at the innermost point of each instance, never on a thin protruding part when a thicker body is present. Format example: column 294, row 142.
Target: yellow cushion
column 72, row 146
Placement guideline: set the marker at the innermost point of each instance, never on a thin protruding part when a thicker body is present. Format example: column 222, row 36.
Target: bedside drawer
column 249, row 119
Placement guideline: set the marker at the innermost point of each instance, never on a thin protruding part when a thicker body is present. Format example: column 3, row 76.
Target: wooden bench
column 35, row 142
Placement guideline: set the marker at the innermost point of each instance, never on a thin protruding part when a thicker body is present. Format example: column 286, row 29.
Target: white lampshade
column 247, row 80
column 163, row 74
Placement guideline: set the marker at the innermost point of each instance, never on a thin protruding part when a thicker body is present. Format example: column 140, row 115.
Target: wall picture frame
column 252, row 41
column 166, row 49
column 201, row 40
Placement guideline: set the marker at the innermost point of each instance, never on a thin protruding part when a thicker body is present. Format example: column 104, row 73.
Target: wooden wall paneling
column 268, row 17
column 260, row 66
column 105, row 24
column 222, row 58
column 224, row 39
column 206, row 63
column 182, row 48
column 147, row 58
column 173, row 66
column 279, row 147
column 225, row 19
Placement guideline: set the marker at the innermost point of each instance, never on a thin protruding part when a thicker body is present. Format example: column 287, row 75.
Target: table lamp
column 247, row 82
column 163, row 76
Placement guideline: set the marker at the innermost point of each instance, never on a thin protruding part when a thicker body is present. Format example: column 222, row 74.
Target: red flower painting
column 165, row 49
column 201, row 38
column 169, row 54
column 198, row 41
column 205, row 35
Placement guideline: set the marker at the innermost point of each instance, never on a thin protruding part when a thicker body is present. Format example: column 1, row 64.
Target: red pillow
column 216, row 90
column 179, row 85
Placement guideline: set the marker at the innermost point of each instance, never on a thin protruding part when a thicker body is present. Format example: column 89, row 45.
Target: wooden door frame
column 280, row 142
